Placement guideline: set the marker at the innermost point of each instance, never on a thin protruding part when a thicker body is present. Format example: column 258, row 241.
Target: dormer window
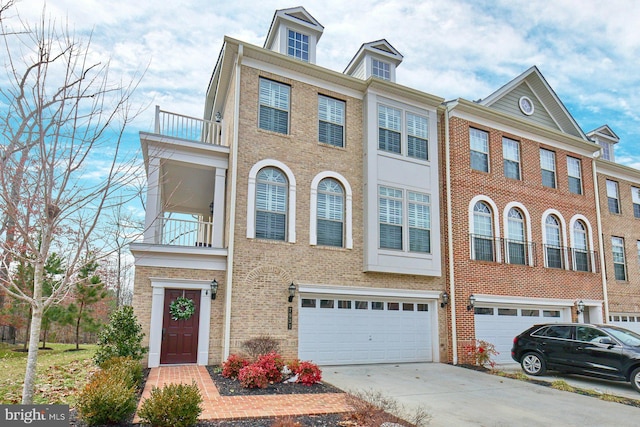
column 381, row 69
column 298, row 45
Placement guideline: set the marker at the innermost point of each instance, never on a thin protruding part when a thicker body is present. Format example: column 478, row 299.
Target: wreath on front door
column 182, row 308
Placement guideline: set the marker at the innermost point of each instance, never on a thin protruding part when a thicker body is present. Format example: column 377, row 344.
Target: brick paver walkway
column 237, row 407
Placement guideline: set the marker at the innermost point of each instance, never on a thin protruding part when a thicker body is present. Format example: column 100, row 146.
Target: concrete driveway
column 457, row 396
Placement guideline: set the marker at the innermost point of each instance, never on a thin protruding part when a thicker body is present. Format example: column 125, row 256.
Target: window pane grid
column 619, row 265
column 271, row 204
column 381, row 69
column 479, row 142
column 548, row 166
column 298, row 45
column 330, row 213
column 511, row 155
column 274, row 106
column 417, row 131
column 419, row 222
column 331, row 114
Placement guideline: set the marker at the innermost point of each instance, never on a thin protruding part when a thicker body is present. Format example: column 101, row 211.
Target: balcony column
column 218, row 207
column 152, row 221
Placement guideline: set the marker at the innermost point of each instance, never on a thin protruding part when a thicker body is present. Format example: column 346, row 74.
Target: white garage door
column 352, row 330
column 499, row 325
column 627, row 321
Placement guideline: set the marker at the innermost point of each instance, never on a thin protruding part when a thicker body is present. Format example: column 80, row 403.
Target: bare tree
column 62, row 119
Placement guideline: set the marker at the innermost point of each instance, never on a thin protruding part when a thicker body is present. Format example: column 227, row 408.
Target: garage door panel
column 343, row 336
column 500, row 329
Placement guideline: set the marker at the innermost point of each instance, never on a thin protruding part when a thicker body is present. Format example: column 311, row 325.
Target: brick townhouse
column 357, row 220
column 619, row 196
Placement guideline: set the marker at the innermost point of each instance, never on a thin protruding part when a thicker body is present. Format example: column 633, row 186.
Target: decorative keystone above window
column 526, row 105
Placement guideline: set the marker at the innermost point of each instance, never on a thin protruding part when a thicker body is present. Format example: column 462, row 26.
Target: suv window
column 555, row 331
column 588, row 334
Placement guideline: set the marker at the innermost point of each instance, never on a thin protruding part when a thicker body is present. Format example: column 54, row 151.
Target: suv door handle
column 579, row 347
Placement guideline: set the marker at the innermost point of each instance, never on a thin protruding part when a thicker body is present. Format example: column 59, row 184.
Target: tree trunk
column 78, row 326
column 28, row 328
column 32, row 357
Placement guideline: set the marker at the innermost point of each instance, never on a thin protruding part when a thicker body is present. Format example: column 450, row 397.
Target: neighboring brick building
column 523, row 214
column 619, row 194
column 352, row 218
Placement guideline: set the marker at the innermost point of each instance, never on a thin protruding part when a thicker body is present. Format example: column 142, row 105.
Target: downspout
column 603, row 273
column 232, row 209
column 452, row 281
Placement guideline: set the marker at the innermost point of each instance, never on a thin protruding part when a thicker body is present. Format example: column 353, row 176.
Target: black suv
column 602, row 351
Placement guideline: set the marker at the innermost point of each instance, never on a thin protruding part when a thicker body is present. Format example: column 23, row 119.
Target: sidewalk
column 216, row 407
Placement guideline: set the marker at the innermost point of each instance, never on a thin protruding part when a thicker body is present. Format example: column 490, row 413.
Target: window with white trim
column 516, row 242
column 482, row 240
column 479, row 144
column 390, row 217
column 298, row 45
column 274, row 106
column 330, row 213
column 619, row 264
column 417, row 137
column 553, row 247
column 271, row 204
column 511, row 156
column 419, row 222
column 548, row 167
column 607, row 150
column 581, row 258
column 635, row 198
column 331, row 113
column 613, row 199
column 389, row 129
column 391, row 206
column 574, row 172
column 380, row 69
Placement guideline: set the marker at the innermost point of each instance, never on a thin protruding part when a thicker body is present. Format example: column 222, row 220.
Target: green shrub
column 106, row 399
column 175, row 405
column 122, row 336
column 127, row 368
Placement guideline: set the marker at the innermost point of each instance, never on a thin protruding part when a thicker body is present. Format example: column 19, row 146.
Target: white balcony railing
column 181, row 232
column 189, row 128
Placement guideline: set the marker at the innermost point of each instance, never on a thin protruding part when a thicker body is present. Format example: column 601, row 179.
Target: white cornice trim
column 529, row 301
column 372, row 292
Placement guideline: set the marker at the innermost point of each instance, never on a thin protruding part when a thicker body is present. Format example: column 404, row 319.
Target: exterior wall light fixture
column 445, row 299
column 472, row 302
column 214, row 288
column 580, row 308
column 292, row 291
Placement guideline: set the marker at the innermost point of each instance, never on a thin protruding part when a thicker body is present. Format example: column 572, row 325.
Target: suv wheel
column 635, row 379
column 533, row 364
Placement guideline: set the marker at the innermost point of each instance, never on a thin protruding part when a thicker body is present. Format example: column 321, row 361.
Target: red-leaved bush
column 293, row 365
column 308, row 373
column 253, row 376
column 232, row 366
column 272, row 363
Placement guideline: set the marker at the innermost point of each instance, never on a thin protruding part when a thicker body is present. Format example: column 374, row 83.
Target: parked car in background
column 602, row 351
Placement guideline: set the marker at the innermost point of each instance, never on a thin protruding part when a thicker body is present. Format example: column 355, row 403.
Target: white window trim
column 251, row 198
column 585, row 221
column 310, row 38
column 563, row 235
column 313, row 203
column 496, row 223
column 527, row 226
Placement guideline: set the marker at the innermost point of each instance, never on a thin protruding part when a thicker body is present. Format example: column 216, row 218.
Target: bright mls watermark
column 34, row 415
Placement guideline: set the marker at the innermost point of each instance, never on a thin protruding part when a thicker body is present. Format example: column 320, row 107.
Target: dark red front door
column 180, row 337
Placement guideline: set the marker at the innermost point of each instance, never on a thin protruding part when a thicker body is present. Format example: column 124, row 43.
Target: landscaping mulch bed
column 231, row 387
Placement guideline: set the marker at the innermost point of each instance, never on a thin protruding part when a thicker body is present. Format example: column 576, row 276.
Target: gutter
column 603, row 272
column 452, row 281
column 232, row 211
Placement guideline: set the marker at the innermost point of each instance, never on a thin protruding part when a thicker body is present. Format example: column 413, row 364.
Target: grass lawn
column 61, row 373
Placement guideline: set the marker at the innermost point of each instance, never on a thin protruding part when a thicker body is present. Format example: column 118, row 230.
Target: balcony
column 516, row 252
column 180, row 232
column 188, row 128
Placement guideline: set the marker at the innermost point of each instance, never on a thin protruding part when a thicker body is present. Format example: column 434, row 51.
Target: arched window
column 330, row 213
column 271, row 204
column 516, row 242
column 553, row 247
column 581, row 260
column 482, row 238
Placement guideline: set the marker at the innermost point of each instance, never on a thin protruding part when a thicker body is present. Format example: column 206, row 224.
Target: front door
column 180, row 337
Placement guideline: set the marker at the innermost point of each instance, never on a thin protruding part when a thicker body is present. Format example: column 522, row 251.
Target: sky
column 588, row 50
